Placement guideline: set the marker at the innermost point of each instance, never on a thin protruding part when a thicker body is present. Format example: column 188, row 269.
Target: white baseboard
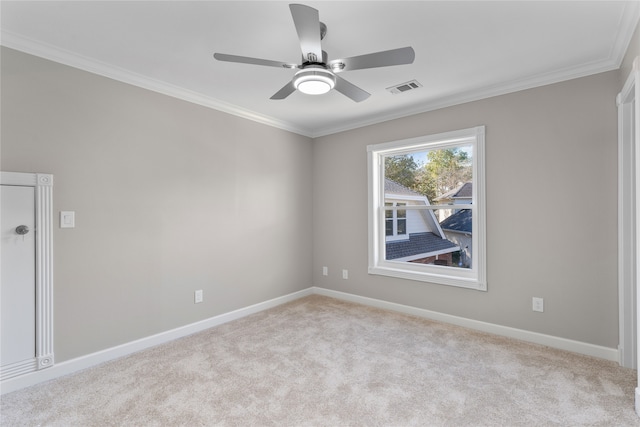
column 534, row 337
column 93, row 359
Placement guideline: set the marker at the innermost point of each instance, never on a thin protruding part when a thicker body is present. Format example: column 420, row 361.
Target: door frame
column 627, row 202
column 43, row 184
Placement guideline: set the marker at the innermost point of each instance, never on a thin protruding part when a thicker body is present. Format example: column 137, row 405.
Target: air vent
column 404, row 87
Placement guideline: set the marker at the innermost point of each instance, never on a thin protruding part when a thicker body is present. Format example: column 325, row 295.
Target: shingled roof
column 393, row 187
column 459, row 221
column 418, row 243
column 463, row 191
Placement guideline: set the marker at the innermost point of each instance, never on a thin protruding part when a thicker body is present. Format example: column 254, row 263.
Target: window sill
column 441, row 279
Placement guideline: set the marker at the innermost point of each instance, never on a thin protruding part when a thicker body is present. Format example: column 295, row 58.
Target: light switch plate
column 67, row 219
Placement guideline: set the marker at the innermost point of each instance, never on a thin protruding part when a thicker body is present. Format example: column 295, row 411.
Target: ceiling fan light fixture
column 314, row 81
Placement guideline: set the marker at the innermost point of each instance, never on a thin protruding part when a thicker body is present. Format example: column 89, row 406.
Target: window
column 427, row 208
column 395, row 221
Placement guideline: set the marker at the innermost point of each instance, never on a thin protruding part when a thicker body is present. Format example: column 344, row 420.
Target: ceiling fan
column 316, row 74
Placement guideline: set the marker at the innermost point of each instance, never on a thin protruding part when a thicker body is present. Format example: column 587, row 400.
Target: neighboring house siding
column 416, row 222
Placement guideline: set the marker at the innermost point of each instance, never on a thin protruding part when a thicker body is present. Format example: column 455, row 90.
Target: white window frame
column 472, row 278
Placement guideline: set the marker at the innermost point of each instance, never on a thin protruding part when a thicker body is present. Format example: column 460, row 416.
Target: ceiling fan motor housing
column 311, row 59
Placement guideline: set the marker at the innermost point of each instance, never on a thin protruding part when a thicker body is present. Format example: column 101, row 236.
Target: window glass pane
column 388, row 213
column 439, row 176
column 402, row 226
column 401, row 212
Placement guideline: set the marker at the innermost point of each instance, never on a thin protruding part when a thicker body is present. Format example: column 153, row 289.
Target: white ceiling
column 464, row 50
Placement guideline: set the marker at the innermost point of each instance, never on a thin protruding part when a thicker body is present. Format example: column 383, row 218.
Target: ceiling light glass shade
column 314, row 81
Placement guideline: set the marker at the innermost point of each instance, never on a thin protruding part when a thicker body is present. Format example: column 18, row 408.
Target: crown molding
column 72, row 59
column 480, row 94
column 628, row 23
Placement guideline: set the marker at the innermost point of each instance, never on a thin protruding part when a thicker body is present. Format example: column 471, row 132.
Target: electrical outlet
column 538, row 304
column 325, row 271
column 345, row 274
column 198, row 296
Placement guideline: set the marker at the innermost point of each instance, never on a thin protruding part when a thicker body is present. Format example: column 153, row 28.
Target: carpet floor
column 319, row 361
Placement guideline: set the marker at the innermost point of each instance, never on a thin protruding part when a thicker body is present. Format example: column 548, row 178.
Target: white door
column 18, row 277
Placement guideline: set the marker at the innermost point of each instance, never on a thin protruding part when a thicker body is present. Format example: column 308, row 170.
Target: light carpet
column 319, row 361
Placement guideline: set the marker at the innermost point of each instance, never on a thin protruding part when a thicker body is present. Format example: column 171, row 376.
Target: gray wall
column 551, row 210
column 169, row 197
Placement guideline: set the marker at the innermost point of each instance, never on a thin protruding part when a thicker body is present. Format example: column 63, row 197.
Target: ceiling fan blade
column 307, row 22
column 404, row 55
column 287, row 90
column 350, row 90
column 254, row 61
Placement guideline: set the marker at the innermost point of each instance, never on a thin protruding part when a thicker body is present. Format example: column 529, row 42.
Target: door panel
column 17, row 280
